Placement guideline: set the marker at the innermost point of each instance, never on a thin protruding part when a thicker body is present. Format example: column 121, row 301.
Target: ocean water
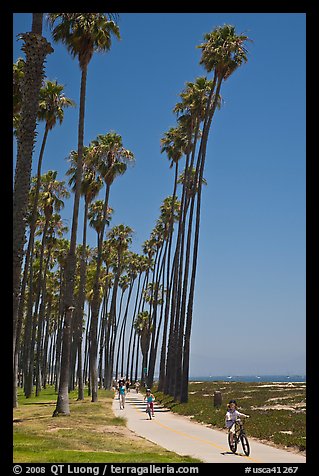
column 250, row 378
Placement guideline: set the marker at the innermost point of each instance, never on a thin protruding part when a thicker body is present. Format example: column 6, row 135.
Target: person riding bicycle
column 231, row 416
column 149, row 397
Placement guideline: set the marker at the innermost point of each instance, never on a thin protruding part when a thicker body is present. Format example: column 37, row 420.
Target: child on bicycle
column 149, row 397
column 231, row 416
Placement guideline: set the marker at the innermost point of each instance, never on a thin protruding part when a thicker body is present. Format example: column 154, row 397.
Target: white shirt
column 231, row 417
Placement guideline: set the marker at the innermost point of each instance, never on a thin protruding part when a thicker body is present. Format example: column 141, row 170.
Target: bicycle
column 239, row 436
column 148, row 410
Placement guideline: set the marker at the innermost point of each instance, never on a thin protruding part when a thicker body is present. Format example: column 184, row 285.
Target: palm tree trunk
column 124, row 326
column 137, row 359
column 186, row 349
column 37, row 20
column 129, row 354
column 120, row 336
column 80, row 306
column 36, row 48
column 171, row 351
column 32, row 321
column 27, row 257
column 53, row 355
column 202, row 153
column 40, row 329
column 62, row 406
column 96, row 303
column 161, row 382
column 156, row 328
column 58, row 347
column 140, row 297
column 45, row 355
column 113, row 326
column 59, row 334
column 50, row 356
column 87, row 347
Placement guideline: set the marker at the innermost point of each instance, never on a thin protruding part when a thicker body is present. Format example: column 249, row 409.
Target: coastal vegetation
column 277, row 410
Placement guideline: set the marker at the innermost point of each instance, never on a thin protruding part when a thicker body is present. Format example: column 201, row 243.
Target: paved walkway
column 177, row 433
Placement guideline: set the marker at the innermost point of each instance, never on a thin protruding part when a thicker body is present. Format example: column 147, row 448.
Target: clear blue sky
column 249, row 313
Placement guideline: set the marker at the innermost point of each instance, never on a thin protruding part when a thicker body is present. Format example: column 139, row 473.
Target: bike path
column 177, row 433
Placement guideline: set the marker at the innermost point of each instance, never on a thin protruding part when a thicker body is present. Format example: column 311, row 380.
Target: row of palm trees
column 83, row 34
column 120, row 268
column 222, row 53
column 64, row 286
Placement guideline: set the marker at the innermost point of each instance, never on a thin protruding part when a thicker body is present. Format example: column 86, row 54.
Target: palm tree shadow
column 20, row 420
column 40, row 403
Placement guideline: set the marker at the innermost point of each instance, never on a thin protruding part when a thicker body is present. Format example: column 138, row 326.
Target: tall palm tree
column 54, row 229
column 61, row 251
column 223, row 52
column 52, row 193
column 36, row 48
column 110, row 159
column 143, row 328
column 120, row 237
column 52, row 103
column 175, row 144
column 133, row 266
column 170, row 210
column 191, row 112
column 124, row 284
column 90, row 186
column 143, row 266
column 83, row 34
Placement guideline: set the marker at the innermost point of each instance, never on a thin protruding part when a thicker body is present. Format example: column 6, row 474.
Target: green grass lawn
column 91, row 434
column 277, row 412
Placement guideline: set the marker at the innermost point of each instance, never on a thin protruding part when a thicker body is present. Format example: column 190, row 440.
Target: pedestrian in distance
column 149, row 397
column 120, row 382
column 122, row 396
column 137, row 386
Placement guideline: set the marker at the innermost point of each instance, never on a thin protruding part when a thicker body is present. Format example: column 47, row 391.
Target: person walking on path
column 122, row 396
column 149, row 397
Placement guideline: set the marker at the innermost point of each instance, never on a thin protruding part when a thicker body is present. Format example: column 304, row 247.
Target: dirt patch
column 57, row 428
column 281, row 385
column 284, row 398
column 122, row 432
column 283, row 407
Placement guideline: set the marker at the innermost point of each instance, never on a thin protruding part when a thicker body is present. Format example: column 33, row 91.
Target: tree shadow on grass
column 40, row 403
column 21, row 420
